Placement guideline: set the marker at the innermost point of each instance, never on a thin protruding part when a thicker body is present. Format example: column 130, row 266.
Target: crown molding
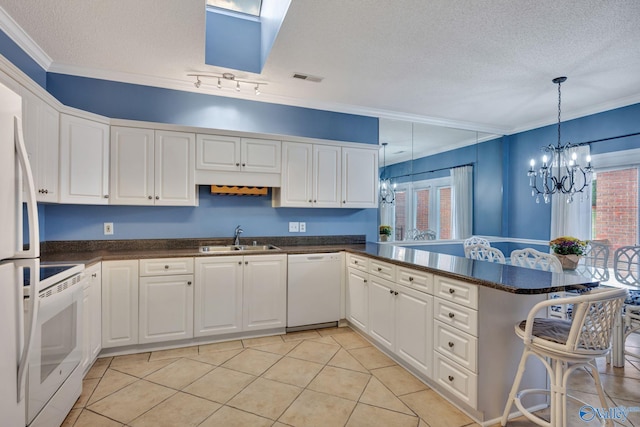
column 23, row 40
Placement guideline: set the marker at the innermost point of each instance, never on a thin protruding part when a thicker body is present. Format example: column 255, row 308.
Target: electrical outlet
column 293, row 227
column 108, row 228
column 303, row 227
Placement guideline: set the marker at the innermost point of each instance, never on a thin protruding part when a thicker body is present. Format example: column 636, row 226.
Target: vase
column 384, row 238
column 569, row 262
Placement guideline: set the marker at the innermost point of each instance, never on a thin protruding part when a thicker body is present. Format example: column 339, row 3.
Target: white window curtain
column 462, row 202
column 572, row 219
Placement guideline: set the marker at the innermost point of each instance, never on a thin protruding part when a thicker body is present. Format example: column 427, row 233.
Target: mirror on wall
column 419, row 208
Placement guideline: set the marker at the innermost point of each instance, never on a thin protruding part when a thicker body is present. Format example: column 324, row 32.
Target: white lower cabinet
column 119, row 303
column 166, row 300
column 218, row 295
column 240, row 293
column 92, row 316
column 357, row 308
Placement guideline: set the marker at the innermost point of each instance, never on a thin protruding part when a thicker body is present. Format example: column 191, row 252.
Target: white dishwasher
column 313, row 294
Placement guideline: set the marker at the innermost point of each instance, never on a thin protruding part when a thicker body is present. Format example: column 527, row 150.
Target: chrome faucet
column 236, row 239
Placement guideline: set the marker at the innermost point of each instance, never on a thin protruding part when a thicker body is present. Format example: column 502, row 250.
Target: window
column 250, row 7
column 424, row 205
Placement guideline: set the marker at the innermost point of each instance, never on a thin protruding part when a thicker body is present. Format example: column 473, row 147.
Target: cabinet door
column 175, row 169
column 265, row 292
column 218, row 153
column 84, row 161
column 414, row 326
column 359, row 178
column 86, row 329
column 41, row 124
column 327, row 176
column 132, row 154
column 358, row 299
column 260, row 155
column 382, row 311
column 166, row 308
column 218, row 296
column 297, row 175
column 119, row 303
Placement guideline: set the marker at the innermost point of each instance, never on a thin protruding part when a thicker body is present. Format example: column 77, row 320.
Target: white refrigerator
column 16, row 184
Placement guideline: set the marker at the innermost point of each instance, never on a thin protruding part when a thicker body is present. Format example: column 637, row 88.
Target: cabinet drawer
column 415, row 279
column 456, row 345
column 358, row 262
column 456, row 315
column 456, row 291
column 382, row 269
column 166, row 266
column 457, row 380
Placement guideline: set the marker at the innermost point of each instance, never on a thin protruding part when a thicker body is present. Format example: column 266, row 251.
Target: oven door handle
column 34, row 306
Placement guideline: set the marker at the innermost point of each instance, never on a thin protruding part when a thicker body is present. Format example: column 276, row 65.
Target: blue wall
column 20, row 59
column 233, row 42
column 217, row 216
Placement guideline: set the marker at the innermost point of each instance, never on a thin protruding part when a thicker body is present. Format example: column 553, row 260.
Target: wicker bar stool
column 564, row 346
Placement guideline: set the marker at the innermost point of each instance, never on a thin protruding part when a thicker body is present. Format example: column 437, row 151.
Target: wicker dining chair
column 626, row 268
column 484, row 253
column 532, row 258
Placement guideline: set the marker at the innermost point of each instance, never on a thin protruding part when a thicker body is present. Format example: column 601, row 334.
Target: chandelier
column 561, row 171
column 387, row 193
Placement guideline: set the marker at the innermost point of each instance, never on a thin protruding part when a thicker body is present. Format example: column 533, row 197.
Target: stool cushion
column 554, row 330
column 633, row 298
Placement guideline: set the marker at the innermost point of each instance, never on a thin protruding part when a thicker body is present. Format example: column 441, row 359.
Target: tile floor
column 328, row 377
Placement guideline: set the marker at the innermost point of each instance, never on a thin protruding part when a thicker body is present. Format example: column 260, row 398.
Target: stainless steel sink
column 233, row 248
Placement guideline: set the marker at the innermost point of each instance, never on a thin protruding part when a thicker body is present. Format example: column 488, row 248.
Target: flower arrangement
column 566, row 245
column 385, row 230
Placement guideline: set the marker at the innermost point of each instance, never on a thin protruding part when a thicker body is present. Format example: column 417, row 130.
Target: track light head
column 257, row 89
column 237, row 86
column 197, row 83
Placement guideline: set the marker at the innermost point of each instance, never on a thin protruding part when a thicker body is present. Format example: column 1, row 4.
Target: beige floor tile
column 325, row 340
column 216, row 358
column 173, row 353
column 293, row 371
column 91, row 419
column 314, row 351
column 71, row 418
column 252, row 342
column 313, row 409
column 371, row 416
column 180, row 409
column 128, row 358
column 232, row 417
column 399, row 380
column 436, row 411
column 371, row 357
column 300, row 335
column 142, row 369
column 633, row 416
column 98, row 368
column 252, row 361
column 88, row 386
column 220, row 385
column 111, row 382
column 340, row 382
column 351, row 340
column 132, row 401
column 180, row 373
column 343, row 359
column 621, row 387
column 377, row 394
column 278, row 348
column 515, row 422
column 333, row 331
column 220, row 346
column 266, row 398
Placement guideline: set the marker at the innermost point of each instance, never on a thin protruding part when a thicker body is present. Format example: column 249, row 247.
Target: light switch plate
column 303, row 227
column 293, row 227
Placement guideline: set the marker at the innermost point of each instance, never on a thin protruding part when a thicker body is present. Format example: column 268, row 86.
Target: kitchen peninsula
column 447, row 319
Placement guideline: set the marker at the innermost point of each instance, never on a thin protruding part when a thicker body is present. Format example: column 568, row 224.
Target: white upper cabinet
column 359, row 178
column 152, row 167
column 84, row 161
column 228, row 160
column 41, row 124
column 310, row 176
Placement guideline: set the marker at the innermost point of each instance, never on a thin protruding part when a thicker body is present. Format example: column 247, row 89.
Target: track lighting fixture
column 221, row 78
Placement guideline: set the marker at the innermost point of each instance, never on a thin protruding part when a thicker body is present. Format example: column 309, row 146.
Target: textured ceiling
column 479, row 65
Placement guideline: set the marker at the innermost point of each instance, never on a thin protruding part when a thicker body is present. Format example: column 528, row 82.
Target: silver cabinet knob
column 106, row 196
column 150, row 198
column 451, row 290
column 157, row 197
column 166, row 267
column 189, row 283
column 450, row 377
column 450, row 344
column 451, row 315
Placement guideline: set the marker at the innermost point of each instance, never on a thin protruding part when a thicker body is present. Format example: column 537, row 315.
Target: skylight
column 250, row 7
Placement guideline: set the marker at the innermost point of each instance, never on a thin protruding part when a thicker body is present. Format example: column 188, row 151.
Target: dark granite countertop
column 498, row 276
